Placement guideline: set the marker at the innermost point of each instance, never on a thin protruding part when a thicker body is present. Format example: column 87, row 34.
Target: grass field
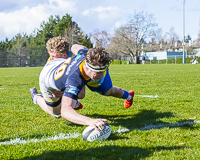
column 153, row 128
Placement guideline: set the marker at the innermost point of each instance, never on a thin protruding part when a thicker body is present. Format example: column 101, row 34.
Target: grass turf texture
column 178, row 89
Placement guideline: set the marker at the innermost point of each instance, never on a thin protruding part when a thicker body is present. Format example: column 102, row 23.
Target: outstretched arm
column 71, row 115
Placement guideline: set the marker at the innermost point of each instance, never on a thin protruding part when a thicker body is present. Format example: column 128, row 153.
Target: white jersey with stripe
column 63, row 75
column 47, row 74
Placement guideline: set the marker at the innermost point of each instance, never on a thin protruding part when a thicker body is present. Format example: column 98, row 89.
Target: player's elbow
column 66, row 112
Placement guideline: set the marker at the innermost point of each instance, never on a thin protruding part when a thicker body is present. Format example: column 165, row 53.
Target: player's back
column 55, row 73
column 46, row 77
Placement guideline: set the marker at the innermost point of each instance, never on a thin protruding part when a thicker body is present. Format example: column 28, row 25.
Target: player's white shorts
column 48, row 97
column 46, row 82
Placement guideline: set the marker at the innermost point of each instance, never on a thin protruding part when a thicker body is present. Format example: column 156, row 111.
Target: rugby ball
column 90, row 134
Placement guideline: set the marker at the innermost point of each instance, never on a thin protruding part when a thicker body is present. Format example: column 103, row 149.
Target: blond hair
column 57, row 44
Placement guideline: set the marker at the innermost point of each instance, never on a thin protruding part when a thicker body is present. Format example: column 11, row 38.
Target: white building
column 162, row 55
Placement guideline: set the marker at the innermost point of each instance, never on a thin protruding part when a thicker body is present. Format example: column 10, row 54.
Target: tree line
column 140, row 34
column 23, row 49
column 55, row 26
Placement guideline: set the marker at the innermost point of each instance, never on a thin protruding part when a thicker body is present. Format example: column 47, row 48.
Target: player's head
column 57, row 47
column 97, row 62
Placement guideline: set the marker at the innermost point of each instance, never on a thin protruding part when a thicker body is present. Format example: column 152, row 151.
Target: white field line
column 148, row 96
column 76, row 135
column 132, row 73
column 56, row 137
column 123, row 130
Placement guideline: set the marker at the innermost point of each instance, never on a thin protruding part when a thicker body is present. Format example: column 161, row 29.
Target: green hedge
column 169, row 61
column 121, row 62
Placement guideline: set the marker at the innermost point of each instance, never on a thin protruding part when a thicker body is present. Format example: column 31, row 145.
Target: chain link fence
column 23, row 57
column 32, row 57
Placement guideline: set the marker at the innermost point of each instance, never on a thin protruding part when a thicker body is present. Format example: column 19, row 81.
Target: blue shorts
column 102, row 86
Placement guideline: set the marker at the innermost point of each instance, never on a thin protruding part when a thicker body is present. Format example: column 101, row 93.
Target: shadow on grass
column 142, row 119
column 105, row 153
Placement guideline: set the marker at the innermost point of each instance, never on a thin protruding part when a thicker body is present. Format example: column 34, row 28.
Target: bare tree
column 100, row 38
column 171, row 38
column 130, row 38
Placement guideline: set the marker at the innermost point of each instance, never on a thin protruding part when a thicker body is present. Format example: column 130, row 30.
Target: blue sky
column 26, row 15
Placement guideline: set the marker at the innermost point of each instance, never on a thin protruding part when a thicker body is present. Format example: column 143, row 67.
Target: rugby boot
column 128, row 103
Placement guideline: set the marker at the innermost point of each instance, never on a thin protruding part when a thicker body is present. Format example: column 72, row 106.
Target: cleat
column 78, row 106
column 127, row 103
column 34, row 94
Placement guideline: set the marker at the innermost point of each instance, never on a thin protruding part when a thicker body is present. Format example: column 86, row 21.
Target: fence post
column 183, row 58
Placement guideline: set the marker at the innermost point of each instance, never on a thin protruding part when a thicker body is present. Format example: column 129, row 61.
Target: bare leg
column 115, row 92
column 49, row 110
column 81, row 94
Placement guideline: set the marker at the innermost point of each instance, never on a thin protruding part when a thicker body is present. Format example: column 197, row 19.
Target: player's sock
column 126, row 95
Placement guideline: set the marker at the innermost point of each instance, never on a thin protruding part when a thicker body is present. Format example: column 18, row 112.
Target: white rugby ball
column 90, row 134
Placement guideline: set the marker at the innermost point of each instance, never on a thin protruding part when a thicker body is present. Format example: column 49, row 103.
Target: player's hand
column 57, row 94
column 98, row 123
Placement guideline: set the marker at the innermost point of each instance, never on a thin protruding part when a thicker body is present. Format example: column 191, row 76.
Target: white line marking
column 56, row 137
column 148, row 96
column 76, row 135
column 132, row 73
column 123, row 130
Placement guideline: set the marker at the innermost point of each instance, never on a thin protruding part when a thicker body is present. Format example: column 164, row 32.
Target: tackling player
column 88, row 67
column 57, row 48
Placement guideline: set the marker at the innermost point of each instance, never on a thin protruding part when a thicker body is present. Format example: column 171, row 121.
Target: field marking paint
column 132, row 73
column 56, row 137
column 123, row 130
column 148, row 96
column 147, row 73
column 76, row 135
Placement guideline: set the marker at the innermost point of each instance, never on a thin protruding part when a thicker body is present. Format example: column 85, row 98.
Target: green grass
column 178, row 90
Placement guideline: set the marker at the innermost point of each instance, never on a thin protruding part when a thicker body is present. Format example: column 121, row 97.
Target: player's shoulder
column 55, row 62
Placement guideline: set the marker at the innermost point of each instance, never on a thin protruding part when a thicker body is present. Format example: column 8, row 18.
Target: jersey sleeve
column 73, row 87
column 82, row 51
